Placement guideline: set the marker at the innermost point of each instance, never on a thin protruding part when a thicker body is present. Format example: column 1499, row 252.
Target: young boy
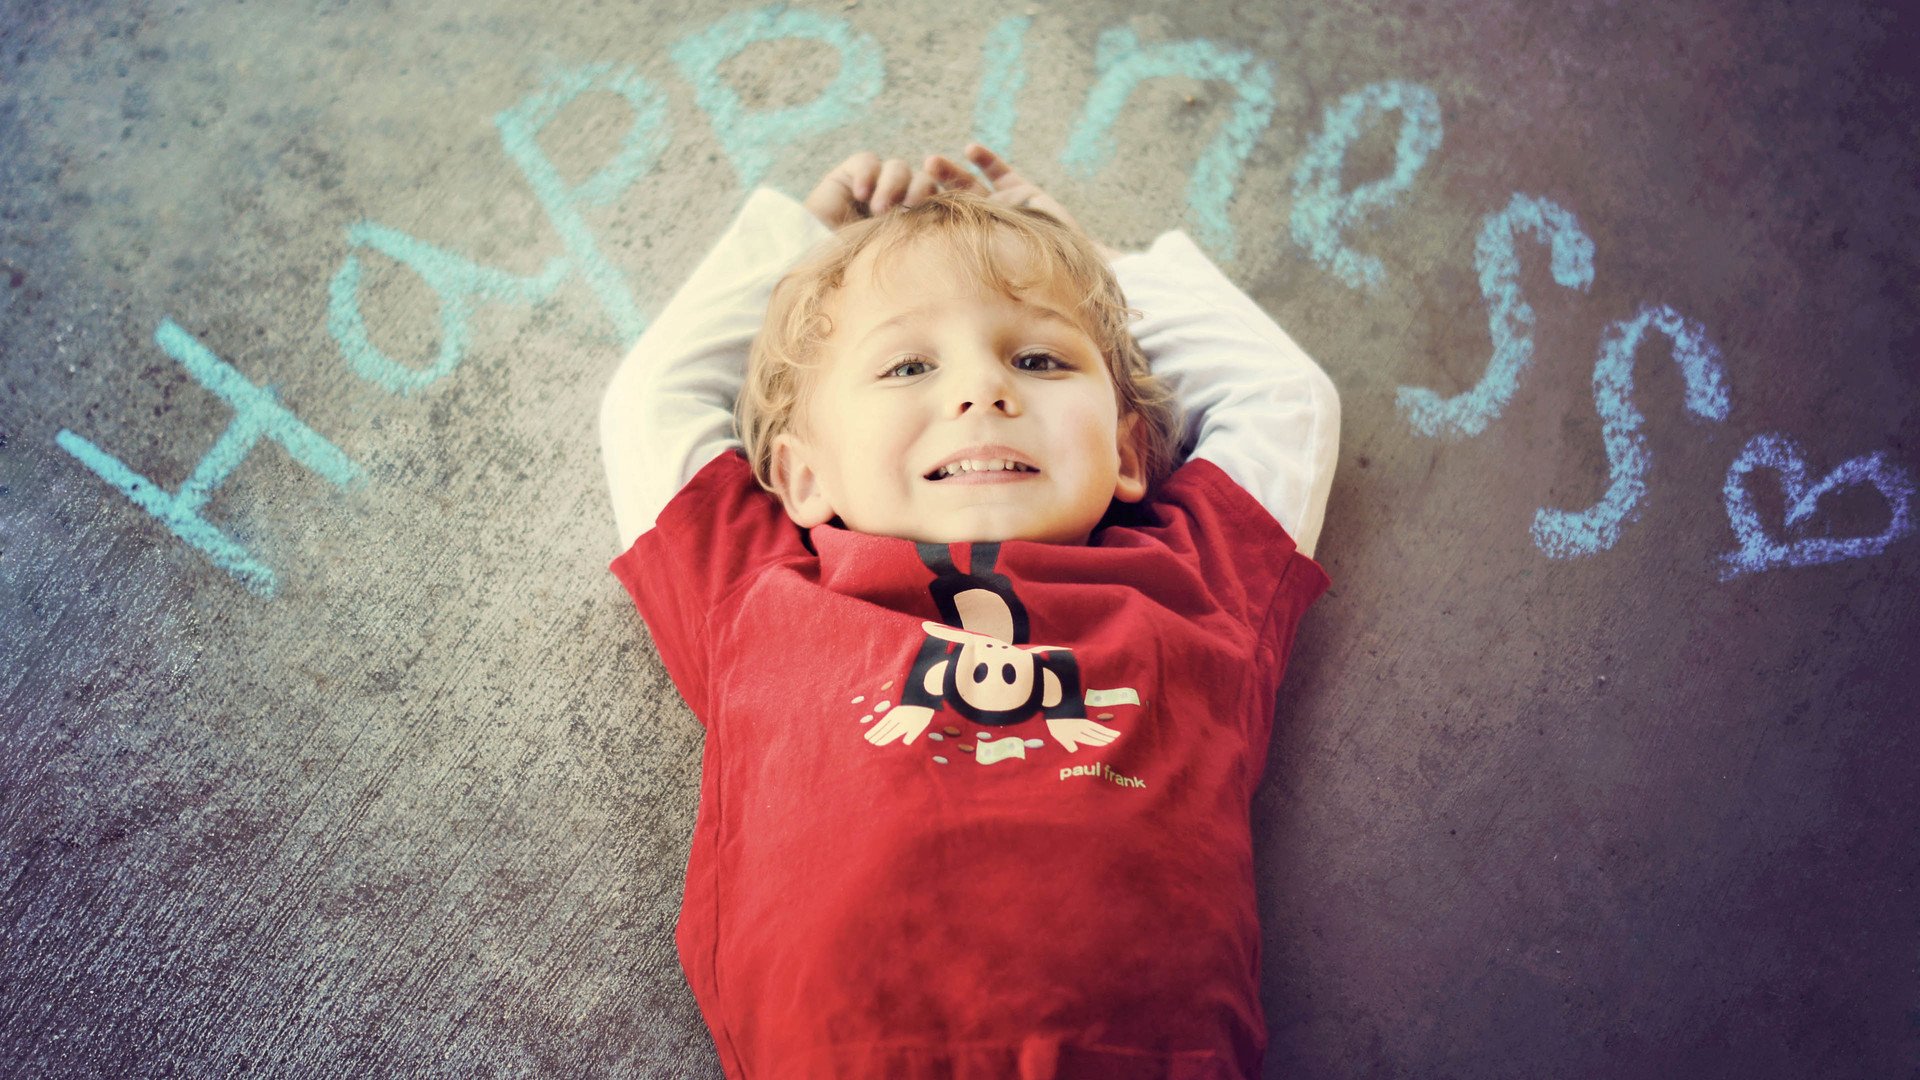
column 987, row 673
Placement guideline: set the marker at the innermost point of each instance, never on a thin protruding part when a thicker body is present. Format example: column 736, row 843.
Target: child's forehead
column 919, row 270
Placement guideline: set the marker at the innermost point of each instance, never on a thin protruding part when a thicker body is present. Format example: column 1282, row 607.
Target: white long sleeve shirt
column 1257, row 406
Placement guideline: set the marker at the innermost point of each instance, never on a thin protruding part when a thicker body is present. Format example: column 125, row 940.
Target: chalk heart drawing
column 1759, row 551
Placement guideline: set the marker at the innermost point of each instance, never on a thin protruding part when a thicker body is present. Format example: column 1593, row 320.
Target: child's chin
column 958, row 530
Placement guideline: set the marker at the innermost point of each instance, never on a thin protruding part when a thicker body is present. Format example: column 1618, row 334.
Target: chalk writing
column 1322, row 221
column 461, row 285
column 752, row 140
column 1760, row 551
column 1322, row 213
column 1509, row 316
column 257, row 411
column 640, row 149
column 1002, row 75
column 1123, row 64
column 1560, row 534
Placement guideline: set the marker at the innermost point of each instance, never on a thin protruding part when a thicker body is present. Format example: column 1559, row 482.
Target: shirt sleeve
column 668, row 410
column 1258, row 406
column 716, row 534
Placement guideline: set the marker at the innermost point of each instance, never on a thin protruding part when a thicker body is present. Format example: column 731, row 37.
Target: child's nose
column 986, row 382
column 1000, row 403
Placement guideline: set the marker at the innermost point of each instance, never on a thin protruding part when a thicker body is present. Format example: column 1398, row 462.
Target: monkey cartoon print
column 980, row 665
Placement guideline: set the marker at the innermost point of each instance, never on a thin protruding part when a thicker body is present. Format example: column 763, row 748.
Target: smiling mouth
column 983, row 476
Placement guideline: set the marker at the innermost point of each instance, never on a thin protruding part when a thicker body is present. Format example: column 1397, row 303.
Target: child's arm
column 669, row 407
column 1257, row 405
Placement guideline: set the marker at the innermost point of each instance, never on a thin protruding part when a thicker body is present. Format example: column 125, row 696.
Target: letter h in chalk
column 257, row 412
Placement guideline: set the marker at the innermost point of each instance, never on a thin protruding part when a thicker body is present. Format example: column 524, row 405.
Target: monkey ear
column 1131, row 486
column 798, row 482
column 1052, row 692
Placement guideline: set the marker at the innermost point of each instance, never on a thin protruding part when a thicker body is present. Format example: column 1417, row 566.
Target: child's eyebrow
column 1044, row 314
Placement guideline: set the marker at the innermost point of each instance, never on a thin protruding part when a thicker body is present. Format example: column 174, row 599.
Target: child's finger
column 860, row 172
column 1016, row 195
column 920, row 189
column 951, row 174
column 990, row 163
column 892, row 184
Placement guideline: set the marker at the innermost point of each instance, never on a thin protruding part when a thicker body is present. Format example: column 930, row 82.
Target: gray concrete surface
column 402, row 790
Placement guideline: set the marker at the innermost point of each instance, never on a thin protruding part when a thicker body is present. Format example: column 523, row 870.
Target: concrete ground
column 332, row 748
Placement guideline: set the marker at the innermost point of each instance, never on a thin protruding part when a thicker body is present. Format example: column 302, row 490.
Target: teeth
column 1001, row 465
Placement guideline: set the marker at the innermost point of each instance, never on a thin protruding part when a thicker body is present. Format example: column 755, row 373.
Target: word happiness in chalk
column 1323, row 218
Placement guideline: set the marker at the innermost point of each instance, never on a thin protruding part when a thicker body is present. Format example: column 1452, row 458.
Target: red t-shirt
column 975, row 810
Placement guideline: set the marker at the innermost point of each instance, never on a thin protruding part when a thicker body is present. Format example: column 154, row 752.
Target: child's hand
column 1009, row 188
column 863, row 186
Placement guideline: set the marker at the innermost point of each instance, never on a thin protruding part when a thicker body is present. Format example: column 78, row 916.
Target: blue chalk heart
column 1758, row 551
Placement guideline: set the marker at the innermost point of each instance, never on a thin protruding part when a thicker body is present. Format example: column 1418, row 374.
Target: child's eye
column 904, row 364
column 1058, row 364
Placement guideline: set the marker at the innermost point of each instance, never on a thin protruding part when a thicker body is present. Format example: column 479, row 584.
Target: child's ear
column 1132, row 484
column 798, row 482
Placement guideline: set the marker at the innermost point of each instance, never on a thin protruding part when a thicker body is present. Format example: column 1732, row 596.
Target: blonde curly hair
column 789, row 345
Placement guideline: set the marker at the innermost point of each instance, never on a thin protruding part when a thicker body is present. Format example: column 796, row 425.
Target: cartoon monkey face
column 994, row 676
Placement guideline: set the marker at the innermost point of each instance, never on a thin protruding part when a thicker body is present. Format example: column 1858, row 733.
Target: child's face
column 964, row 367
